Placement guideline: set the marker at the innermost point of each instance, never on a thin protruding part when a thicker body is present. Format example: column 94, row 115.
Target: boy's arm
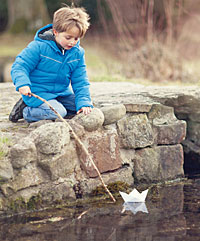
column 25, row 62
column 80, row 85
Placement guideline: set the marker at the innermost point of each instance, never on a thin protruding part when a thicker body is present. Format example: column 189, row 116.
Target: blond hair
column 66, row 18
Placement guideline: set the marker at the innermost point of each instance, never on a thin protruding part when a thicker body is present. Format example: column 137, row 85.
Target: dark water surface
column 173, row 215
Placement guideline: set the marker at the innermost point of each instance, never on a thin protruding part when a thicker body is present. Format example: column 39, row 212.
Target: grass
column 4, row 143
column 102, row 65
column 193, row 66
column 11, row 45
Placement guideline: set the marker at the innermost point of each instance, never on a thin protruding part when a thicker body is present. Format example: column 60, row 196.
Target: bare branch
column 79, row 143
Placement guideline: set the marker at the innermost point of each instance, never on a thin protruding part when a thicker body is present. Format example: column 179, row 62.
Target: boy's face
column 67, row 39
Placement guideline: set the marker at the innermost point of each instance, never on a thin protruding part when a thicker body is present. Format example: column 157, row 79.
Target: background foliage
column 159, row 39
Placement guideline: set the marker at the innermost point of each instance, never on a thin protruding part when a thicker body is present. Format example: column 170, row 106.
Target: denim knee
column 43, row 112
column 58, row 107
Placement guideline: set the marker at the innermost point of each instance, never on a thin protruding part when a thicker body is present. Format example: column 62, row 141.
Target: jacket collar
column 46, row 34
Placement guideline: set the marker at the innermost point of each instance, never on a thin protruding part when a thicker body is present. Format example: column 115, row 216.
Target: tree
column 145, row 19
column 26, row 15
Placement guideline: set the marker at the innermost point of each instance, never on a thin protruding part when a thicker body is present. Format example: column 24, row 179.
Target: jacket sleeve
column 24, row 63
column 80, row 84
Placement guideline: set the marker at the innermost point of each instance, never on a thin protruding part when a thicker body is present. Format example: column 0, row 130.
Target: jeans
column 64, row 105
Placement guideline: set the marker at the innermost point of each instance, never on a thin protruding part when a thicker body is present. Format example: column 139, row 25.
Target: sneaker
column 17, row 111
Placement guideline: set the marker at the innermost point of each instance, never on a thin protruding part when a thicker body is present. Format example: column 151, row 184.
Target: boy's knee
column 61, row 110
column 58, row 107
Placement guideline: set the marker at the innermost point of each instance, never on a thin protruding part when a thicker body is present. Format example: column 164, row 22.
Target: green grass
column 4, row 143
column 7, row 50
column 102, row 64
column 11, row 45
column 193, row 66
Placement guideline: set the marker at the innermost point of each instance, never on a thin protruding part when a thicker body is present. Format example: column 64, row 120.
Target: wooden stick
column 79, row 142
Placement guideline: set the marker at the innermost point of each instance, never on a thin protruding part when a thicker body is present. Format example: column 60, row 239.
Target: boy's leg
column 69, row 103
column 43, row 112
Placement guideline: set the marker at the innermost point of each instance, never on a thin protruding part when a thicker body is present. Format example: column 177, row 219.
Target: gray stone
column 23, row 153
column 51, row 138
column 62, row 164
column 77, row 128
column 167, row 134
column 39, row 123
column 58, row 190
column 113, row 113
column 124, row 175
column 160, row 114
column 27, row 193
column 92, row 121
column 194, row 117
column 135, row 131
column 155, row 164
column 127, row 156
column 6, row 170
column 104, row 150
column 158, row 163
column 171, row 161
column 193, row 132
column 167, row 129
column 138, row 107
column 146, row 165
column 28, row 176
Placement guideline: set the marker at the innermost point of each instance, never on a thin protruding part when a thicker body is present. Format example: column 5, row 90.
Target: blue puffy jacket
column 48, row 71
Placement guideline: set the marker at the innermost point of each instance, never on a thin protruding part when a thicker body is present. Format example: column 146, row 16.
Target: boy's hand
column 25, row 90
column 85, row 110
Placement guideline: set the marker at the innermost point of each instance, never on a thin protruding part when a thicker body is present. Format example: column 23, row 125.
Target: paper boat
column 135, row 207
column 134, row 196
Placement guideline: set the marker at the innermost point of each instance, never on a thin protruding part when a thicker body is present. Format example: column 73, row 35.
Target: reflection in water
column 173, row 215
column 134, row 207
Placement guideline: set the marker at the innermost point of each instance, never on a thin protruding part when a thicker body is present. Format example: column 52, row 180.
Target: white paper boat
column 135, row 207
column 134, row 196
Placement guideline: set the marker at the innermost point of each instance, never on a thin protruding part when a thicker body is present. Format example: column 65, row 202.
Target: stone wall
column 134, row 142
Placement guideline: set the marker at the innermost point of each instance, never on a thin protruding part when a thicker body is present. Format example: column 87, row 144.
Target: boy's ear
column 55, row 32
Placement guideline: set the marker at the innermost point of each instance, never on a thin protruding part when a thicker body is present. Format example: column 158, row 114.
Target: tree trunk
column 150, row 34
column 168, row 5
column 27, row 15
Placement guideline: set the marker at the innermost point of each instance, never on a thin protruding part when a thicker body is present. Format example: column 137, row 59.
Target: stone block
column 167, row 134
column 171, row 161
column 167, row 128
column 57, row 191
column 77, row 128
column 104, row 150
column 113, row 113
column 23, row 152
column 193, row 132
column 124, row 175
column 161, row 114
column 62, row 164
column 158, row 163
column 92, row 121
column 6, row 170
column 135, row 131
column 127, row 156
column 138, row 107
column 195, row 117
column 29, row 176
column 51, row 138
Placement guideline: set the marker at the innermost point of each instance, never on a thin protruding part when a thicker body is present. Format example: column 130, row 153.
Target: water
column 173, row 215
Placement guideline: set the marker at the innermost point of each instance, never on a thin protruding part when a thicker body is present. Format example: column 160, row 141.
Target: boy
column 47, row 67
